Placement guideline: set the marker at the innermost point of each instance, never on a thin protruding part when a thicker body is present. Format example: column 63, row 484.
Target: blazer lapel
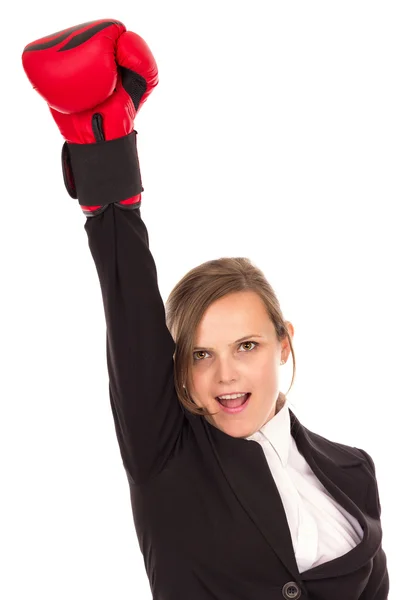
column 246, row 468
column 346, row 476
column 340, row 471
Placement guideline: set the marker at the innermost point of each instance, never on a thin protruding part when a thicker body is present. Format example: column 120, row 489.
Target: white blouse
column 321, row 529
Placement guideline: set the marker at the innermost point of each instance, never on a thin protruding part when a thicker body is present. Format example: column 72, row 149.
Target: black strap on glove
column 103, row 172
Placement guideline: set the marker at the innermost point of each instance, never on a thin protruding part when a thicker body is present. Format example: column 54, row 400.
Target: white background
column 273, row 134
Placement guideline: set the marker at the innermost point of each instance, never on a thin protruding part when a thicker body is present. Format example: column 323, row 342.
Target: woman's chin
column 234, row 428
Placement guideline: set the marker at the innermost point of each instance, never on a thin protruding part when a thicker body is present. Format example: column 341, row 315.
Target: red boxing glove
column 95, row 77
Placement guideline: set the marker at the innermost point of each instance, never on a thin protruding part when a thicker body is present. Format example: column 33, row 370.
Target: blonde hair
column 191, row 297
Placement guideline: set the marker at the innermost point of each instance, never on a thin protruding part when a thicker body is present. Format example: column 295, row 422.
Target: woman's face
column 223, row 365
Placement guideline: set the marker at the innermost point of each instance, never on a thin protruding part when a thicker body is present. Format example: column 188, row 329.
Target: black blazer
column 208, row 515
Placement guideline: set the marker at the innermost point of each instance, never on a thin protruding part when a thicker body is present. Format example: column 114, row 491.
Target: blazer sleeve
column 378, row 585
column 147, row 414
column 378, row 582
column 373, row 473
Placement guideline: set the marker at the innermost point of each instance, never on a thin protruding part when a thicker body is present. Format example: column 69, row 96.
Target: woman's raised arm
column 148, row 416
column 95, row 77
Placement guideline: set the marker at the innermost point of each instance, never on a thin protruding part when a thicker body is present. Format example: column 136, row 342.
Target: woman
column 232, row 497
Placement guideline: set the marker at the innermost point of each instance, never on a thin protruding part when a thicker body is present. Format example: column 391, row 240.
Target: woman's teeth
column 232, row 400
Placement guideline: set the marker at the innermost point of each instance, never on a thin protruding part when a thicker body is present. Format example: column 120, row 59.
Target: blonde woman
column 232, row 497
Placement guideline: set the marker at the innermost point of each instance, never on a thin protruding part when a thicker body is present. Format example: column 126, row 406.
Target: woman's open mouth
column 234, row 406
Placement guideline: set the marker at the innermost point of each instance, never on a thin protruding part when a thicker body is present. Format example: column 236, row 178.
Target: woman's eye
column 198, row 352
column 255, row 344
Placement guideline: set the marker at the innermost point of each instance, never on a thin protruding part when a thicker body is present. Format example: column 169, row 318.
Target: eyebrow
column 243, row 339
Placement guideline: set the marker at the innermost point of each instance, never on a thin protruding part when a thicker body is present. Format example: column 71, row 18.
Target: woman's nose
column 226, row 371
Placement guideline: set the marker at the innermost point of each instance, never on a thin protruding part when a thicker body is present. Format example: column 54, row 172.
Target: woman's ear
column 285, row 346
column 290, row 328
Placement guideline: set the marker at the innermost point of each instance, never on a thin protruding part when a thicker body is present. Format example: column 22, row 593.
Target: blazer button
column 291, row 591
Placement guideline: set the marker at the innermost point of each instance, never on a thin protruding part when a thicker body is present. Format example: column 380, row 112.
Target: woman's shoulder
column 342, row 454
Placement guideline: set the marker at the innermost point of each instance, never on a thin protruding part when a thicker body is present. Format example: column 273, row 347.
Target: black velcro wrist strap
column 103, row 172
